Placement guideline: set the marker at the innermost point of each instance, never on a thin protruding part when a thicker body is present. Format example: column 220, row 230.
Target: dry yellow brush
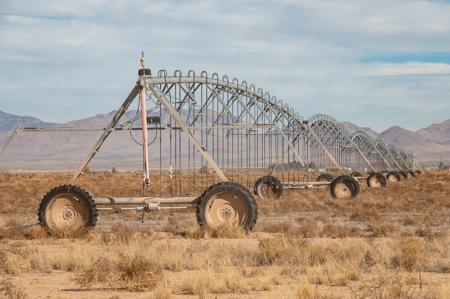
column 383, row 268
column 133, row 273
column 390, row 243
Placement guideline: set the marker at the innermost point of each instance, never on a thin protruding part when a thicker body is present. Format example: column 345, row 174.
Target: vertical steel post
column 144, row 135
column 185, row 129
column 144, row 131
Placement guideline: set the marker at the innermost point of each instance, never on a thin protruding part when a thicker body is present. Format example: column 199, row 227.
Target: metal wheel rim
column 374, row 182
column 226, row 208
column 66, row 211
column 392, row 178
column 342, row 190
column 267, row 190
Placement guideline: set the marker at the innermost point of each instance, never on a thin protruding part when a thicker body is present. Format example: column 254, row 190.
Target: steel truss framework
column 338, row 141
column 241, row 133
column 367, row 145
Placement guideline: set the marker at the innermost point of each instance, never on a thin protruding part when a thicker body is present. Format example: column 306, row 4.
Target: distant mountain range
column 9, row 122
column 431, row 144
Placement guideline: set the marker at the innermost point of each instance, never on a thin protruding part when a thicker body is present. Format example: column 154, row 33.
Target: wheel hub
column 68, row 213
column 268, row 190
column 226, row 208
column 226, row 212
column 374, row 182
column 343, row 191
column 392, row 178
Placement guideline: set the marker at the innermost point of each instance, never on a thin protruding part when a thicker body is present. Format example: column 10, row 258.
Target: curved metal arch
column 383, row 149
column 364, row 141
column 238, row 102
column 368, row 145
column 270, row 110
column 335, row 135
column 283, row 115
column 408, row 158
column 396, row 154
column 334, row 129
column 381, row 146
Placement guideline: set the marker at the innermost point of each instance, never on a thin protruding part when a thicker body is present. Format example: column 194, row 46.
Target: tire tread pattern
column 228, row 186
column 341, row 179
column 68, row 188
column 269, row 179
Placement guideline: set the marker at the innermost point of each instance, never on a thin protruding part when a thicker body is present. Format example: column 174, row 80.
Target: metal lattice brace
column 240, row 131
column 367, row 145
column 383, row 149
column 336, row 138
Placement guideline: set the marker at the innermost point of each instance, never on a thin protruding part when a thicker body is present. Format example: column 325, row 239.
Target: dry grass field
column 392, row 242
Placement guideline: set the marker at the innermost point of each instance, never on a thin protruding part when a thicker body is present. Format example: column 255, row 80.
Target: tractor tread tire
column 379, row 176
column 82, row 194
column 269, row 179
column 396, row 174
column 356, row 188
column 252, row 207
column 404, row 174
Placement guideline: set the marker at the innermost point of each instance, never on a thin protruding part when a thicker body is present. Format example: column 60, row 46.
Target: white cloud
column 402, row 69
column 84, row 53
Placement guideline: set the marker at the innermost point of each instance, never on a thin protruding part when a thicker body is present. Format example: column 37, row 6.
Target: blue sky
column 375, row 63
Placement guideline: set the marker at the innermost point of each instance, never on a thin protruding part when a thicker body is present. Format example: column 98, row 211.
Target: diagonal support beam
column 330, row 156
column 109, row 129
column 11, row 137
column 206, row 104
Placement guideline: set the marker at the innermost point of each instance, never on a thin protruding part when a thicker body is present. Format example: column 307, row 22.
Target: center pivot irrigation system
column 212, row 140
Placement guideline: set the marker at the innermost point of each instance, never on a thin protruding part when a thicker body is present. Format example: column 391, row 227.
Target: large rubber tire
column 404, row 174
column 268, row 187
column 394, row 177
column 376, row 180
column 227, row 202
column 325, row 177
column 345, row 187
column 67, row 208
column 356, row 174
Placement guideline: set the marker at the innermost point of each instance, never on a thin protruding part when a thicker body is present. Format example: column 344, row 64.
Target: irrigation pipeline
column 247, row 132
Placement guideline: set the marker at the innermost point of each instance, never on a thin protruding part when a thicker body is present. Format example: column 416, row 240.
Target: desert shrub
column 202, row 283
column 9, row 291
column 99, row 272
column 30, row 232
column 411, row 254
column 225, row 231
column 277, row 251
column 398, row 285
column 67, row 233
column 134, row 273
column 306, row 290
column 120, row 234
column 332, row 274
column 162, row 291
